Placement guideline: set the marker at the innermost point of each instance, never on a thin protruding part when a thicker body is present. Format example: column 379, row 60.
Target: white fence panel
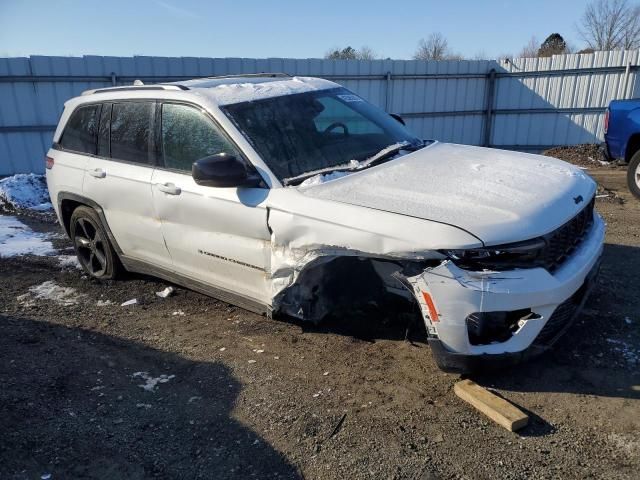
column 526, row 104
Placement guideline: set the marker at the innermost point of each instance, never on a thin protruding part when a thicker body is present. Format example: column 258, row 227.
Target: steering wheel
column 335, row 125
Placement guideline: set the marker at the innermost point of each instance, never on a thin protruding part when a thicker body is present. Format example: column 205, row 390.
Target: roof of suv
column 234, row 89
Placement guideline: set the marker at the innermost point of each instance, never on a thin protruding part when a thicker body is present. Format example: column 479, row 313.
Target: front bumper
column 559, row 322
column 451, row 294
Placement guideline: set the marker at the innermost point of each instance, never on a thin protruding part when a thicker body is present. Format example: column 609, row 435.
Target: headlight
column 527, row 254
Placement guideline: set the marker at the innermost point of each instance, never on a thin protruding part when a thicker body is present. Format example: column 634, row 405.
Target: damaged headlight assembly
column 526, row 254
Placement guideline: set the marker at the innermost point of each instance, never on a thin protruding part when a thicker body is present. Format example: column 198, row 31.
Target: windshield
column 315, row 131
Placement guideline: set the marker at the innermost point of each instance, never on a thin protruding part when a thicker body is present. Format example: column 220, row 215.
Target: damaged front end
column 339, row 284
column 493, row 319
column 475, row 316
column 320, row 265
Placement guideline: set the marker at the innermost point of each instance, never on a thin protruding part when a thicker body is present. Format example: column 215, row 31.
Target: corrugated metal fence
column 525, row 104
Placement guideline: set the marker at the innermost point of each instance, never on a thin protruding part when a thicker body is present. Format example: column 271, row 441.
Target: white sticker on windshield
column 350, row 98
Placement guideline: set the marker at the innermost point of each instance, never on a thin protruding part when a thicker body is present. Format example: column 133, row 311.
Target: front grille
column 554, row 247
column 562, row 242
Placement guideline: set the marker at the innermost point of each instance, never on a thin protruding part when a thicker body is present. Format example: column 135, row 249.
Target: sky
column 272, row 28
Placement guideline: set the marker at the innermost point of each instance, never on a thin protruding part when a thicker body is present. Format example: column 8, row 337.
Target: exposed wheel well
column 334, row 285
column 633, row 145
column 67, row 206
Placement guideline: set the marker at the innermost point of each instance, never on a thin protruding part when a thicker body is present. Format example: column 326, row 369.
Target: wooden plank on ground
column 494, row 407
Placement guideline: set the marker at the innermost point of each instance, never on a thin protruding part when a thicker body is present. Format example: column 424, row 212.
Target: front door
column 218, row 236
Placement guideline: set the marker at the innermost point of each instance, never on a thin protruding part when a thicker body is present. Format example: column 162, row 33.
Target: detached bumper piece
column 560, row 321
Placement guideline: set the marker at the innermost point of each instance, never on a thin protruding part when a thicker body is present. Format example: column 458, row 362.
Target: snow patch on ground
column 16, row 238
column 24, row 191
column 68, row 262
column 151, row 382
column 50, row 290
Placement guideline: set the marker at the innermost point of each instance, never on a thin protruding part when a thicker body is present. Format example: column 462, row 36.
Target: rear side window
column 80, row 133
column 131, row 131
column 189, row 135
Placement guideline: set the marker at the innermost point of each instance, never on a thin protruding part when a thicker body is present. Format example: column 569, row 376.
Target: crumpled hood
column 499, row 196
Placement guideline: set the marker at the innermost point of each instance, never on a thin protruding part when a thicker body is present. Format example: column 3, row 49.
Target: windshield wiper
column 389, row 152
column 351, row 165
column 354, row 165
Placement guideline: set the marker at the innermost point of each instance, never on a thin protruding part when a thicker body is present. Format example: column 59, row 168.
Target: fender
column 633, row 129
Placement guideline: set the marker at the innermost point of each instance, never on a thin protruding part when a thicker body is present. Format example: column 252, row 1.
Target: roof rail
column 128, row 88
column 137, row 85
column 254, row 75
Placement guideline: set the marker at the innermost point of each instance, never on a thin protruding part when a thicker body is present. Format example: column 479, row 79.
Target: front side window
column 189, row 135
column 306, row 132
column 80, row 134
column 131, row 131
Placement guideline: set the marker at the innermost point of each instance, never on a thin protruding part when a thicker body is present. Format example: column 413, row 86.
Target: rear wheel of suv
column 633, row 174
column 91, row 243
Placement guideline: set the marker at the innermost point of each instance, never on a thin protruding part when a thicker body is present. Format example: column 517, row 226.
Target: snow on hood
column 497, row 195
column 323, row 177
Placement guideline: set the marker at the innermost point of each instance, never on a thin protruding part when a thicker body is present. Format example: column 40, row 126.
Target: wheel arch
column 332, row 283
column 633, row 146
column 68, row 202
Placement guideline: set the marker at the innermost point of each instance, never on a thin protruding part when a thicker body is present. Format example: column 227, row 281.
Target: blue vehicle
column 622, row 138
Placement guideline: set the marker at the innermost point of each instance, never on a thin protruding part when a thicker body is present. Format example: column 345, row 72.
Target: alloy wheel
column 91, row 247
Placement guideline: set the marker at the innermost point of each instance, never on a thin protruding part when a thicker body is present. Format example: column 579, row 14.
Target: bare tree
column 455, row 56
column 435, row 47
column 350, row 53
column 611, row 25
column 367, row 53
column 530, row 50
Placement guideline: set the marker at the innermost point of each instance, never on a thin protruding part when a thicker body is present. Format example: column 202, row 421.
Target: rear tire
column 633, row 175
column 92, row 246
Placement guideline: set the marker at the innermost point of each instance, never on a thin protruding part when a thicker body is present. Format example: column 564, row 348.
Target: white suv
column 294, row 195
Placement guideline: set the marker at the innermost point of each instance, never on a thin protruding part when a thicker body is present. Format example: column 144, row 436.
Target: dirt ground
column 190, row 387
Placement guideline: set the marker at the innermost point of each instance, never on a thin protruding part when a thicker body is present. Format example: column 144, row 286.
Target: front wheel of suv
column 91, row 243
column 633, row 174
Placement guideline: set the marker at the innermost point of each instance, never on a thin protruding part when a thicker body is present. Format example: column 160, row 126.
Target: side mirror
column 398, row 118
column 224, row 171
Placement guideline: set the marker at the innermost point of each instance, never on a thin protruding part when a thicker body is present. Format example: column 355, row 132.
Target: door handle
column 169, row 188
column 98, row 173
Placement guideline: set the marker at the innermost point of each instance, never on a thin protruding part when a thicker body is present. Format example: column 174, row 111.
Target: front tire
column 92, row 246
column 633, row 175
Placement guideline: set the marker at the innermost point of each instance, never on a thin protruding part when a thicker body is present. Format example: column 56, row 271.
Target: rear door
column 218, row 236
column 118, row 178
